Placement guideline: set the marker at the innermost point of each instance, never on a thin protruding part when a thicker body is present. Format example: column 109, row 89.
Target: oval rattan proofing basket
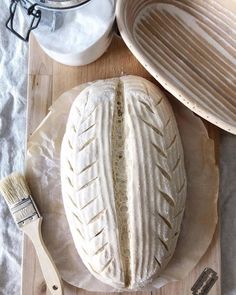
column 190, row 49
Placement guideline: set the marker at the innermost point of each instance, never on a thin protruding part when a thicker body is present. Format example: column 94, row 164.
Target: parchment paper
column 43, row 175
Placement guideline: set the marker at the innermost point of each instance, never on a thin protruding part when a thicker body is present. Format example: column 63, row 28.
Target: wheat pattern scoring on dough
column 123, row 180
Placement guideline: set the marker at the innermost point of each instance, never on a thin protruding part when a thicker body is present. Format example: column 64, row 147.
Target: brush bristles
column 14, row 188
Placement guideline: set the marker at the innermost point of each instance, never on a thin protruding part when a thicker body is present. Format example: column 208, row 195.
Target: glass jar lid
column 59, row 4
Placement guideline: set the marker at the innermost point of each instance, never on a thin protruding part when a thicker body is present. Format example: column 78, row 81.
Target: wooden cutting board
column 47, row 80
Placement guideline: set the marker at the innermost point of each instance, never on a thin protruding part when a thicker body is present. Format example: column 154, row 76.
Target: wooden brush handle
column 48, row 267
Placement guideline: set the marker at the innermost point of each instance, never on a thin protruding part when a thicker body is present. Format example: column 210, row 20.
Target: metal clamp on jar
column 73, row 32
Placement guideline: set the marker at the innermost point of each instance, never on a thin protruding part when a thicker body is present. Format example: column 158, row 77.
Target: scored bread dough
column 123, row 180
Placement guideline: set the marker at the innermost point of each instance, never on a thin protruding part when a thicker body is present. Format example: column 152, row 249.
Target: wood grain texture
column 50, row 272
column 189, row 47
column 47, row 80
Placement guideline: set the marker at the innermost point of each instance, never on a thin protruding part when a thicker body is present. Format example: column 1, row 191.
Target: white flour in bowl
column 79, row 36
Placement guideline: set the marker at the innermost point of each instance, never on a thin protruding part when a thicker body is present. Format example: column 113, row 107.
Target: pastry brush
column 17, row 194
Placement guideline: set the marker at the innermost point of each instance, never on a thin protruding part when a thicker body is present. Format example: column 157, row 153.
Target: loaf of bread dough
column 123, row 180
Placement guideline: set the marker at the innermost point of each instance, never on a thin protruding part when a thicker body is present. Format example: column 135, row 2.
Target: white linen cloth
column 13, row 84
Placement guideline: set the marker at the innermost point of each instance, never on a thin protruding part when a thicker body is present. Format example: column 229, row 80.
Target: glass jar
column 73, row 32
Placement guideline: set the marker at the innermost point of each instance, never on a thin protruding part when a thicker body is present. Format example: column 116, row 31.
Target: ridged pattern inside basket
column 190, row 48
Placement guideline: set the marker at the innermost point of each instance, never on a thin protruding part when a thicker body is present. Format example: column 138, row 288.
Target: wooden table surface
column 47, row 80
